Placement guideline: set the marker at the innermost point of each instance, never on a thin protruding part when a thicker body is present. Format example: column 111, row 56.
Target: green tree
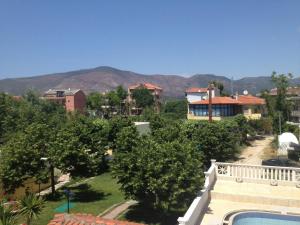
column 143, row 97
column 80, row 146
column 282, row 107
column 113, row 99
column 20, row 157
column 95, row 100
column 31, row 206
column 161, row 176
column 127, row 139
column 121, row 92
column 176, row 109
column 219, row 85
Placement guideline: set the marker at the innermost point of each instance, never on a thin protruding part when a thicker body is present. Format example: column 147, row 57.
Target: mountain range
column 107, row 78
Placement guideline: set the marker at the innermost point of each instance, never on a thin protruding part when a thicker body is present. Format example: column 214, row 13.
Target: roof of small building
column 145, row 85
column 85, row 219
column 66, row 91
column 217, row 100
column 240, row 100
column 250, row 100
column 196, row 90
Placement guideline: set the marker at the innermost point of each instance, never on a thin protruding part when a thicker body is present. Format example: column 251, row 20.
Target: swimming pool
column 262, row 218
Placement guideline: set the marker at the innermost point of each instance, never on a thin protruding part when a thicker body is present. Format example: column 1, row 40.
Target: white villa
column 231, row 190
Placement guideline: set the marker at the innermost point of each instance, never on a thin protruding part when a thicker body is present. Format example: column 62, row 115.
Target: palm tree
column 31, row 206
column 7, row 214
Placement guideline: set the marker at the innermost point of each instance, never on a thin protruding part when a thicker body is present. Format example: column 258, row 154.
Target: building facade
column 250, row 106
column 72, row 100
column 155, row 90
column 197, row 94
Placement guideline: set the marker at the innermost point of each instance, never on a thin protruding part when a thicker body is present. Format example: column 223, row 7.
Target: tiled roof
column 241, row 100
column 217, row 100
column 85, row 219
column 145, row 85
column 250, row 100
column 195, row 90
column 66, row 91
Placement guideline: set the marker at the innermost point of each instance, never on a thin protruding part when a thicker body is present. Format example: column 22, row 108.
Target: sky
column 234, row 38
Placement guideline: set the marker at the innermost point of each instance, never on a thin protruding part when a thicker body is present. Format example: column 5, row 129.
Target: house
column 155, row 90
column 250, row 106
column 291, row 91
column 72, row 100
column 196, row 94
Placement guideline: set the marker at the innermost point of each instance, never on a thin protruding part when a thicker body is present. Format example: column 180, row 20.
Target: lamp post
column 51, row 167
column 69, row 195
column 210, row 87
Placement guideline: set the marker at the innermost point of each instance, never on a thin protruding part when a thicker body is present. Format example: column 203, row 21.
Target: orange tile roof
column 145, row 85
column 217, row 100
column 196, row 89
column 241, row 100
column 85, row 219
column 250, row 100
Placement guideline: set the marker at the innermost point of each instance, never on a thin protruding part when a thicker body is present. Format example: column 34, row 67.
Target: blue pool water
column 257, row 218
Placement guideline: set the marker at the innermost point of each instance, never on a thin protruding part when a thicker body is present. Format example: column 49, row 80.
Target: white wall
column 198, row 96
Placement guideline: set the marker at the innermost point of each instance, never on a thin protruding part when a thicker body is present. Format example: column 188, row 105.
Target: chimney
column 236, row 96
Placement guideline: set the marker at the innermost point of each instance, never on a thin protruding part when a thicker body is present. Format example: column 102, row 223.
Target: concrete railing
column 241, row 172
column 198, row 206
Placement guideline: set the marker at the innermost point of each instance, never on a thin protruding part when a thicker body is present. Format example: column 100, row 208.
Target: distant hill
column 107, row 78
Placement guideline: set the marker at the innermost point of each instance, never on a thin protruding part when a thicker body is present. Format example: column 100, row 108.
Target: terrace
column 233, row 187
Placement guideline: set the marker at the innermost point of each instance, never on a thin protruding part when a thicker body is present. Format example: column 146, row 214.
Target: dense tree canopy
column 143, row 97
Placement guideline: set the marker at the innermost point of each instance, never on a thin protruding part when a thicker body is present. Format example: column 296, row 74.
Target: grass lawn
column 91, row 196
column 142, row 214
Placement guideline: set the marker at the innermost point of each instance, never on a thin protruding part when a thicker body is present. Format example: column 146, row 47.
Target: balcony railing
column 253, row 172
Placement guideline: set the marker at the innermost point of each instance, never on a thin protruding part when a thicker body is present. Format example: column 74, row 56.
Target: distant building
column 72, row 100
column 197, row 94
column 155, row 91
column 250, row 106
column 291, row 91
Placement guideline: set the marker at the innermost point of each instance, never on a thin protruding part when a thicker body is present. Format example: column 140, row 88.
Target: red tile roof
column 85, row 219
column 241, row 100
column 250, row 100
column 217, row 100
column 196, row 89
column 146, row 85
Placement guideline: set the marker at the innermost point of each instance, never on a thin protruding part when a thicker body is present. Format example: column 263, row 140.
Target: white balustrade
column 256, row 172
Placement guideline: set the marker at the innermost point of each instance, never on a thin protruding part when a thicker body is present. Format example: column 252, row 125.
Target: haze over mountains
column 107, row 78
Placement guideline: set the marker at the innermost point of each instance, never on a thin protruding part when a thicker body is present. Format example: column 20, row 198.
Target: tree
column 216, row 140
column 282, row 107
column 143, row 97
column 113, row 99
column 20, row 157
column 121, row 92
column 95, row 100
column 80, row 146
column 219, row 85
column 161, row 176
column 31, row 206
column 127, row 139
column 176, row 109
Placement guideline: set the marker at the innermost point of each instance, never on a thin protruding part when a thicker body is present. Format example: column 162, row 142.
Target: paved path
column 114, row 213
column 64, row 179
column 254, row 154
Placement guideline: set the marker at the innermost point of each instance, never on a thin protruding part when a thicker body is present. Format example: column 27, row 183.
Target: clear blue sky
column 225, row 37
